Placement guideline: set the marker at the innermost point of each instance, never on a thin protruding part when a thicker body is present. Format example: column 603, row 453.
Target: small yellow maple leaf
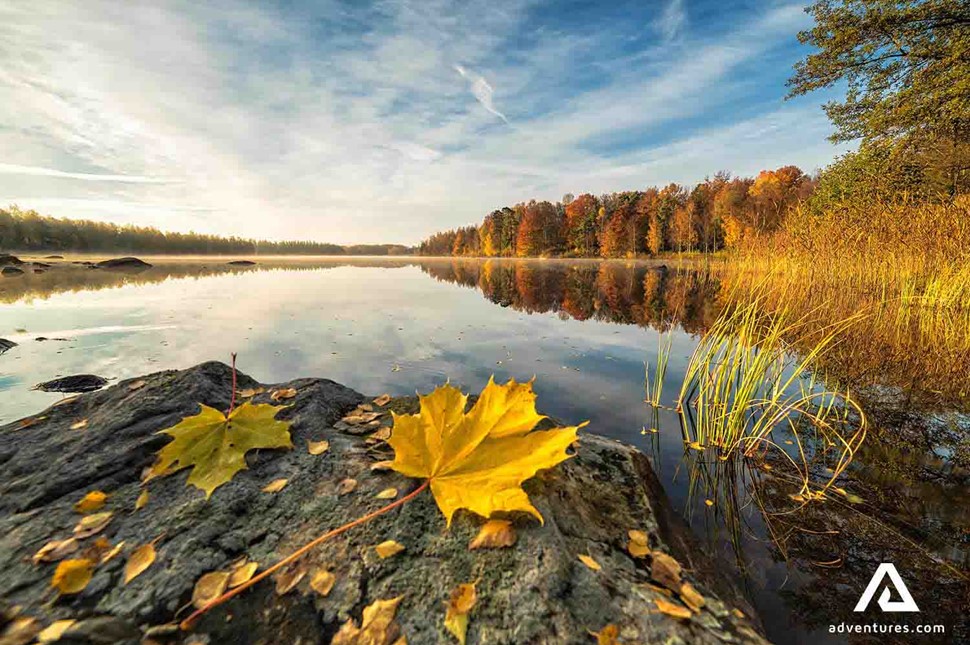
column 478, row 460
column 215, row 446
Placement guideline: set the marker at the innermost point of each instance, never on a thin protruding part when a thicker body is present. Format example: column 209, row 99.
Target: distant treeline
column 719, row 212
column 29, row 231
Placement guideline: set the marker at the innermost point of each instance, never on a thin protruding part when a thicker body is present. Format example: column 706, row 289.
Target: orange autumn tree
column 580, row 226
column 540, row 230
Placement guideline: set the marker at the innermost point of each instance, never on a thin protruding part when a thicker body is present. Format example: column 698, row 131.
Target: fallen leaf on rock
column 285, row 393
column 357, row 418
column 387, row 493
column 289, row 579
column 607, row 636
column 250, row 392
column 204, row 443
column 92, row 524
column 377, row 625
column 672, row 609
column 80, row 425
column 691, row 597
column 142, row 500
column 54, row 631
column 241, row 574
column 72, row 576
column 91, row 502
column 276, row 485
column 494, row 534
column 388, row 548
column 380, row 466
column 346, row 486
column 381, row 435
column 738, row 613
column 639, row 544
column 322, row 581
column 26, row 423
column 463, row 599
column 317, row 447
column 55, row 550
column 110, row 553
column 382, row 400
column 20, row 631
column 137, row 385
column 209, row 587
column 139, row 560
column 665, row 570
column 479, row 459
column 590, row 562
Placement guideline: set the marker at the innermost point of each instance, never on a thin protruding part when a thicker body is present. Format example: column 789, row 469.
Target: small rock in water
column 11, row 272
column 241, row 263
column 123, row 263
column 76, row 384
column 10, row 259
column 53, row 257
column 6, row 344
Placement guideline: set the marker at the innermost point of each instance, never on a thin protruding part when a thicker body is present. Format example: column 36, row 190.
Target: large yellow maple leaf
column 478, row 460
column 215, row 445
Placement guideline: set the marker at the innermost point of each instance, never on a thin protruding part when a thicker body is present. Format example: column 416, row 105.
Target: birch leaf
column 139, row 560
column 322, row 581
column 275, row 486
column 215, row 446
column 388, row 548
column 494, row 534
column 377, row 625
column 242, row 574
column 590, row 562
column 142, row 500
column 72, row 576
column 209, row 587
column 318, row 447
column 478, row 460
column 93, row 501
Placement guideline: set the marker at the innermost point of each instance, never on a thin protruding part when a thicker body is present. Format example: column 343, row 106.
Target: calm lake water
column 584, row 330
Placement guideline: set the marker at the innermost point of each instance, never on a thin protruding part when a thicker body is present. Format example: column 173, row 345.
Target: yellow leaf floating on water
column 317, row 447
column 215, row 447
column 494, row 534
column 92, row 524
column 322, row 581
column 388, row 548
column 139, row 560
column 609, row 635
column 377, row 625
column 463, row 599
column 53, row 632
column 55, row 550
column 91, row 502
column 387, row 493
column 478, row 461
column 589, row 562
column 241, row 574
column 275, row 486
column 142, row 500
column 72, row 576
column 639, row 544
column 672, row 609
column 209, row 587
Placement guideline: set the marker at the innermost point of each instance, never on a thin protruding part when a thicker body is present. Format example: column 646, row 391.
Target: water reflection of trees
column 624, row 293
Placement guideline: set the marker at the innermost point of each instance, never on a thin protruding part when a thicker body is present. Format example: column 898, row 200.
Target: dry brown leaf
column 381, row 435
column 54, row 631
column 276, row 485
column 672, row 609
column 639, row 544
column 387, row 493
column 92, row 524
column 20, row 631
column 590, row 562
column 358, row 418
column 346, row 486
column 607, row 636
column 691, row 597
column 142, row 500
column 80, row 425
column 250, row 392
column 137, row 385
column 241, row 574
column 322, row 581
column 26, row 423
column 139, row 560
column 382, row 400
column 111, row 553
column 93, row 501
column 317, row 447
column 388, row 548
column 665, row 570
column 72, row 576
column 381, row 466
column 377, row 626
column 463, row 599
column 289, row 579
column 55, row 550
column 285, row 393
column 209, row 587
column 494, row 534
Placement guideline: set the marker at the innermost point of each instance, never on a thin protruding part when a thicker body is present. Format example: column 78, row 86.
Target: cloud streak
column 13, row 169
column 481, row 90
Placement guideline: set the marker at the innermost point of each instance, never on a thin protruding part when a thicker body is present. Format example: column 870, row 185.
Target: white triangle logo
column 905, row 604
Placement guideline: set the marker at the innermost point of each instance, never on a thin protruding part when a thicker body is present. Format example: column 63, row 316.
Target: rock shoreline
column 534, row 592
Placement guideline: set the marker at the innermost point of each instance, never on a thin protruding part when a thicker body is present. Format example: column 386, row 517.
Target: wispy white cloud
column 481, row 90
column 14, row 169
column 673, row 19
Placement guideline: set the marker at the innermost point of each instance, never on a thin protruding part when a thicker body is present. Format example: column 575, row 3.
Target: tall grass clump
column 654, row 389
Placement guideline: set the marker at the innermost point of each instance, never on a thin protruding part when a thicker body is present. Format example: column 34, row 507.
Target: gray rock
column 72, row 384
column 241, row 263
column 126, row 263
column 6, row 345
column 11, row 272
column 10, row 259
column 534, row 592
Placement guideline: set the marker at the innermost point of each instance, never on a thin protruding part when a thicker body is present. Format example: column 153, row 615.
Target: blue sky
column 385, row 121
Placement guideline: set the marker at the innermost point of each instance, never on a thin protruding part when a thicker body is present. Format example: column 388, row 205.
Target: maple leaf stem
column 232, row 398
column 189, row 622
